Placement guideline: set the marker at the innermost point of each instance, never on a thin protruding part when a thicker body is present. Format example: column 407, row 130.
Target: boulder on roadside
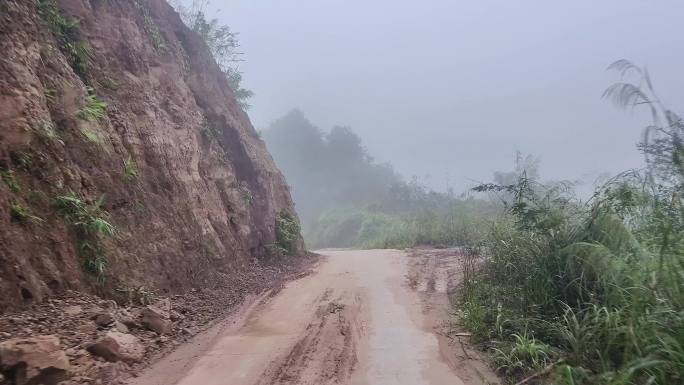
column 128, row 319
column 34, row 360
column 103, row 319
column 120, row 327
column 156, row 319
column 116, row 346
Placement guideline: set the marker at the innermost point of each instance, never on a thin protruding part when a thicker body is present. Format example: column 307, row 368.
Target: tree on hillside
column 326, row 170
column 222, row 42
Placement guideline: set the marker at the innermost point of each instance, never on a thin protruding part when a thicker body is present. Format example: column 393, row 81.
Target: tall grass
column 456, row 222
column 589, row 292
column 90, row 226
column 588, row 281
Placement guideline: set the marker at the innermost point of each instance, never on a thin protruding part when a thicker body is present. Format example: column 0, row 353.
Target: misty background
column 383, row 117
column 449, row 90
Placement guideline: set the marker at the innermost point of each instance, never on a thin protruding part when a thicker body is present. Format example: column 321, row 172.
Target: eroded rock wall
column 174, row 162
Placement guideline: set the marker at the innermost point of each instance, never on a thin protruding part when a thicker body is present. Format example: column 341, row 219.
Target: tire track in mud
column 365, row 317
column 435, row 275
column 327, row 352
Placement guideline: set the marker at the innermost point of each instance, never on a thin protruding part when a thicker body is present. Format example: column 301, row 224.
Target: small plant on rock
column 92, row 136
column 46, row 131
column 22, row 159
column 109, row 83
column 67, row 34
column 10, row 180
column 90, row 226
column 94, row 109
column 130, row 169
column 22, row 214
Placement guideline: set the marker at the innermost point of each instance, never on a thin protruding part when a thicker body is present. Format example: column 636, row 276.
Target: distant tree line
column 326, row 169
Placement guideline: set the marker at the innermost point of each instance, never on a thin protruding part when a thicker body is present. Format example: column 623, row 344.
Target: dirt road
column 370, row 317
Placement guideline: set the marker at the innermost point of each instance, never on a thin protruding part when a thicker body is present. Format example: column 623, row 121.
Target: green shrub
column 67, row 34
column 109, row 83
column 151, row 28
column 49, row 93
column 46, row 131
column 525, row 354
column 288, row 232
column 130, row 169
column 22, row 214
column 94, row 108
column 9, row 179
column 90, row 226
column 22, row 159
column 589, row 280
column 91, row 136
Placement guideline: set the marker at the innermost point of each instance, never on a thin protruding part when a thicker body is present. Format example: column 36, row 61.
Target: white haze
column 449, row 90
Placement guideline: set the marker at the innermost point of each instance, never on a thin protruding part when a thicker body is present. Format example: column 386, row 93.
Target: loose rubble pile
column 84, row 339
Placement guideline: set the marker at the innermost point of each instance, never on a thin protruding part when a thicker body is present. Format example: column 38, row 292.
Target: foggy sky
column 453, row 88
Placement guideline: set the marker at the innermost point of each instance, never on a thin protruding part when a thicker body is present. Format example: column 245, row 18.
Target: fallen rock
column 35, row 360
column 156, row 319
column 176, row 316
column 117, row 346
column 120, row 327
column 103, row 319
column 163, row 304
column 73, row 310
column 126, row 318
column 86, row 328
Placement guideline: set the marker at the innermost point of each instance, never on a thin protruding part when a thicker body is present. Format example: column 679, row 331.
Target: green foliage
column 94, row 108
column 597, row 281
column 288, row 232
column 602, row 282
column 408, row 215
column 91, row 226
column 221, row 41
column 345, row 199
column 109, row 83
column 46, row 131
column 9, row 179
column 86, row 218
column 152, row 29
column 23, row 214
column 67, row 34
column 91, row 136
column 139, row 207
column 525, row 354
column 50, row 93
column 326, row 170
column 22, row 159
column 130, row 169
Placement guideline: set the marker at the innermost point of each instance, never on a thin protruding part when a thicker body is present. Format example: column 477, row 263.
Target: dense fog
column 449, row 90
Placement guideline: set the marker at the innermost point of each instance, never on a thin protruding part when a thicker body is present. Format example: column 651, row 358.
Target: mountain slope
column 114, row 113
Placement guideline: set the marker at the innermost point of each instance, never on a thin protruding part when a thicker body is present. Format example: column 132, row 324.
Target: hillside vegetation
column 127, row 163
column 346, row 199
column 592, row 292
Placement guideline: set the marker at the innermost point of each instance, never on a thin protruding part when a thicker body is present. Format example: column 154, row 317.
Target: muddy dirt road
column 372, row 317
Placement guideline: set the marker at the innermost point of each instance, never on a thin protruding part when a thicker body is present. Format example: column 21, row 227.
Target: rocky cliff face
column 127, row 165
